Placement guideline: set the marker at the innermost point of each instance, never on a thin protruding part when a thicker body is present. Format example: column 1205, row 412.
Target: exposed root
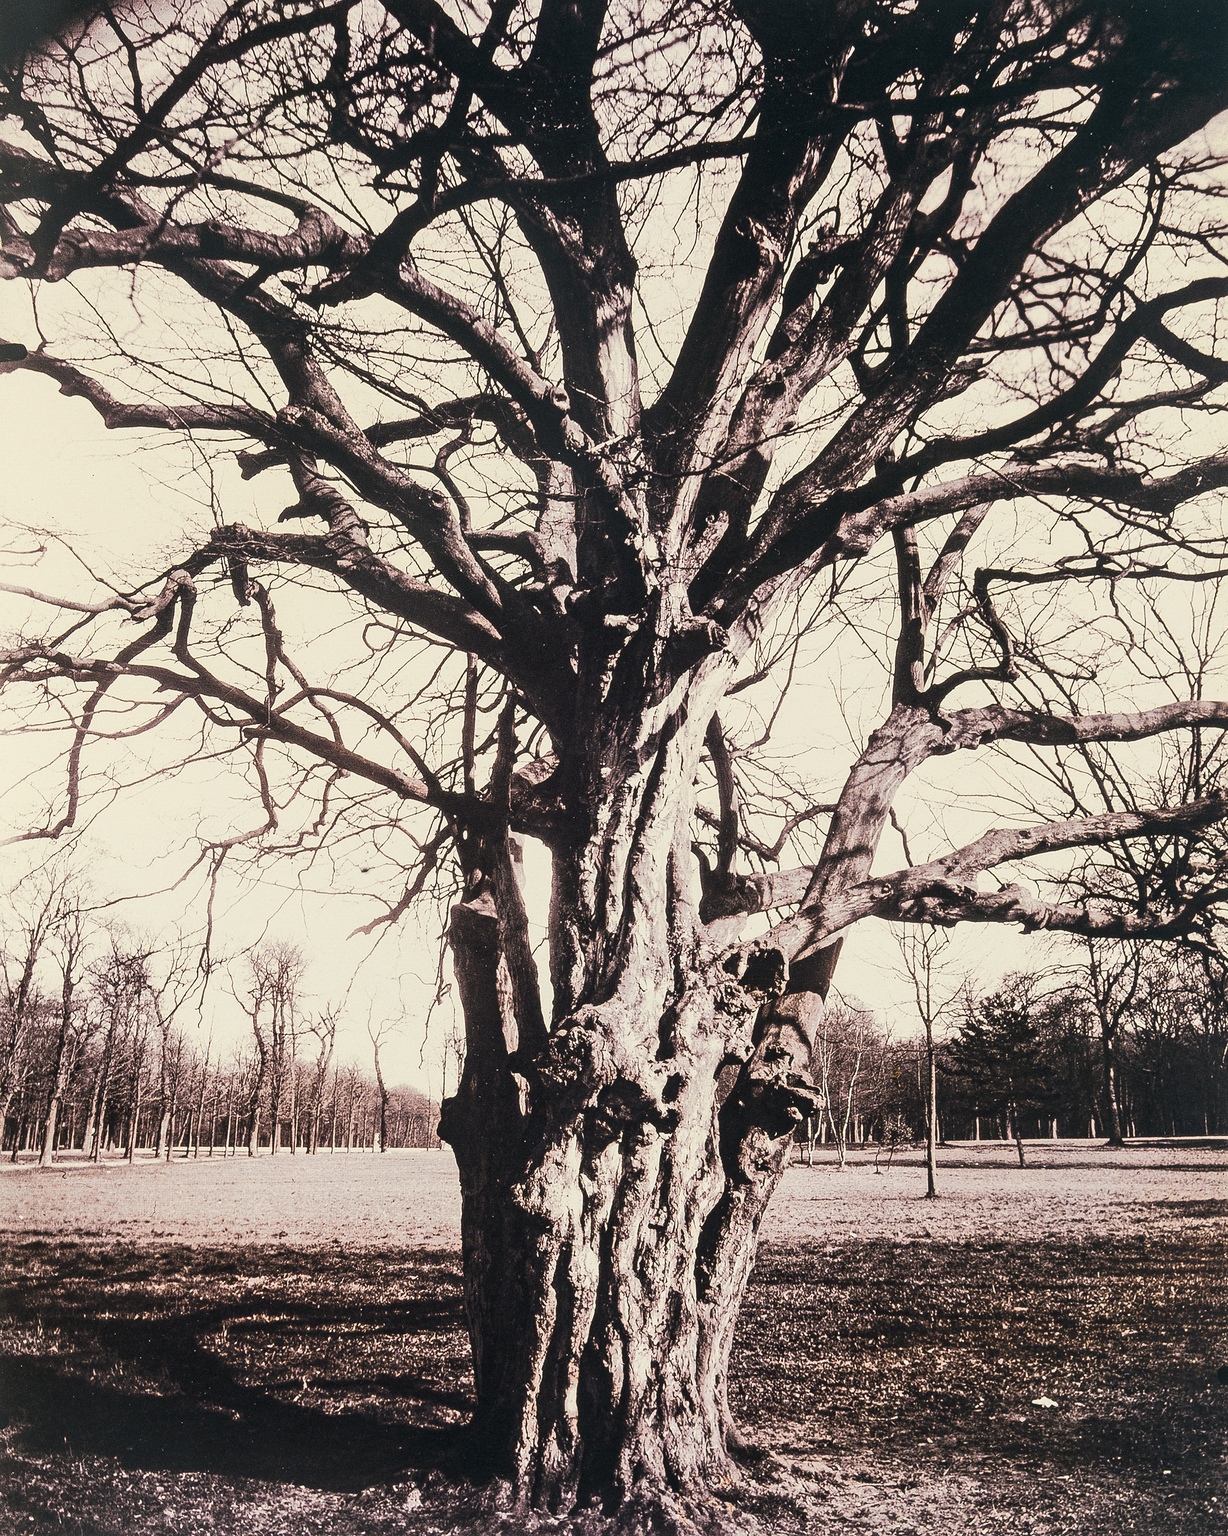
column 773, row 1503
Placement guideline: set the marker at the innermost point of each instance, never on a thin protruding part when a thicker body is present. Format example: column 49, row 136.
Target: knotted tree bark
column 615, row 1165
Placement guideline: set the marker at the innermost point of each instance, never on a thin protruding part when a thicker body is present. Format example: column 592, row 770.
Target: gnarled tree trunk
column 608, row 1234
column 614, row 1165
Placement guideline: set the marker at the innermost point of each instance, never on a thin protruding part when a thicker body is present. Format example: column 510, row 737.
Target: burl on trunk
column 614, row 1166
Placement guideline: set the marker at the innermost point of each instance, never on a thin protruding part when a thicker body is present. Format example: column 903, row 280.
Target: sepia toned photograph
column 614, row 779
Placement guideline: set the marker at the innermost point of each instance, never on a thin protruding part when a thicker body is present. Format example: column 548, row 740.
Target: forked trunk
column 605, row 1253
column 616, row 1161
column 614, row 1170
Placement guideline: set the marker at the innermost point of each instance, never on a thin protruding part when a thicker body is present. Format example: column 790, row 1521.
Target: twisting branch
column 974, row 727
column 36, row 664
column 919, row 892
column 118, row 414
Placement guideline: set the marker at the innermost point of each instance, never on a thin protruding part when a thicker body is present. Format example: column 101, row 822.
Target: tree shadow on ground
column 337, row 1370
column 1189, row 1210
column 263, row 1365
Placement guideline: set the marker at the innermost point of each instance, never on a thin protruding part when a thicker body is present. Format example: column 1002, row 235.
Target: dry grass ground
column 278, row 1347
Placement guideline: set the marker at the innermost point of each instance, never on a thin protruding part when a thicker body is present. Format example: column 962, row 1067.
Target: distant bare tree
column 137, row 1046
column 1114, row 975
column 923, row 952
column 271, row 999
column 120, row 983
column 894, row 1133
column 28, row 935
column 256, row 999
column 168, row 993
column 196, row 1124
column 324, row 1029
column 75, row 1020
column 377, row 1036
column 840, row 1043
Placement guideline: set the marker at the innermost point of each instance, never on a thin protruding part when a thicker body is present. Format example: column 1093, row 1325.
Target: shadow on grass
column 1190, row 1210
column 155, row 1362
column 339, row 1369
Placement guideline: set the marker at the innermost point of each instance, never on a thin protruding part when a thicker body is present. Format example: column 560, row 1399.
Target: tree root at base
column 772, row 1501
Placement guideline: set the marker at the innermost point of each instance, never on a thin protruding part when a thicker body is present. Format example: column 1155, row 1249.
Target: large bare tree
column 627, row 363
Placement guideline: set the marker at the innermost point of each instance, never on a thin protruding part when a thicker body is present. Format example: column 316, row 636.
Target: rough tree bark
column 610, row 1200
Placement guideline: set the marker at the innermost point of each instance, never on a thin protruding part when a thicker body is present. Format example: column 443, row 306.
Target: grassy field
column 277, row 1346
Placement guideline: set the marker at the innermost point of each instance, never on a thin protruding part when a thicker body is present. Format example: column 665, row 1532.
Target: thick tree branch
column 938, row 891
column 848, row 524
column 727, row 789
column 762, row 893
column 974, row 727
column 187, row 416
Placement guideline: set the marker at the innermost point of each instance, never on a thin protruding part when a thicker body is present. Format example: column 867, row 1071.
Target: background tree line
column 97, row 1056
column 94, row 1056
column 1128, row 1041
